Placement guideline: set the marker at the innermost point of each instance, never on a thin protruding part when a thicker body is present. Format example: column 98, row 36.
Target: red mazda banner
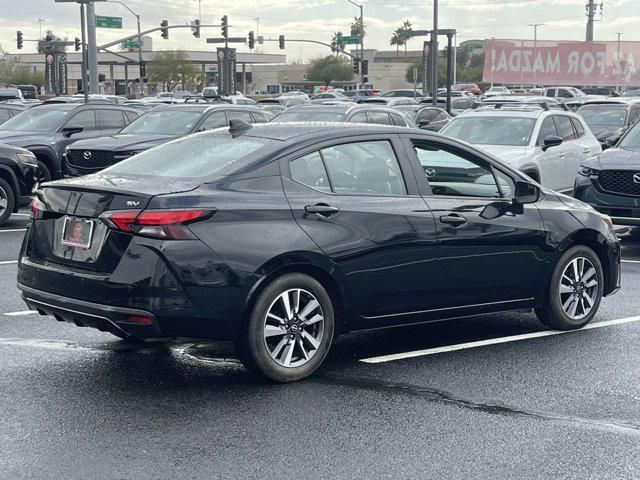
column 562, row 63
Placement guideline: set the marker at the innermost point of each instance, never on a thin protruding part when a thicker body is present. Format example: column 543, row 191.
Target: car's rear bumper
column 118, row 320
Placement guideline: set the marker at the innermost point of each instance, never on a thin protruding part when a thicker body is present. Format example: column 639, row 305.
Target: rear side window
column 5, row 114
column 214, row 120
column 398, row 120
column 130, row 117
column 565, row 129
column 380, row 118
column 359, row 118
column 548, row 128
column 309, row 170
column 259, row 117
column 239, row 115
column 364, row 168
column 111, row 119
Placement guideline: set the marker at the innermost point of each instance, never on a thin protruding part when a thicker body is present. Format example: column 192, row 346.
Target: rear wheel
column 7, row 201
column 575, row 290
column 290, row 329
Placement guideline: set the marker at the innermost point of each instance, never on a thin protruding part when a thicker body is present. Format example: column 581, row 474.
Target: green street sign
column 108, row 22
column 131, row 44
column 348, row 40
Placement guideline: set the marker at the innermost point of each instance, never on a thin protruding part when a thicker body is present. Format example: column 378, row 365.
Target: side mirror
column 68, row 131
column 551, row 141
column 526, row 193
column 612, row 141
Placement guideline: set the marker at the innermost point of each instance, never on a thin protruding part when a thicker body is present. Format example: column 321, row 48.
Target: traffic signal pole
column 84, row 55
column 92, row 52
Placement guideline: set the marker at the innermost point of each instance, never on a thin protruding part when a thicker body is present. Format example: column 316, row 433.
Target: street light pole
column 618, row 58
column 535, row 32
column 361, row 33
column 434, row 56
column 139, row 41
column 41, row 21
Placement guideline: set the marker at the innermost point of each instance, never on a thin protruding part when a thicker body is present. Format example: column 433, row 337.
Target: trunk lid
column 70, row 232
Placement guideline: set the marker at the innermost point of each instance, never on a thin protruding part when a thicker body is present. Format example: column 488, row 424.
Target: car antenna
column 238, row 127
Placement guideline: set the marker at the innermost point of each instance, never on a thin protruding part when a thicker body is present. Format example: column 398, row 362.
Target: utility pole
column 92, row 46
column 139, row 42
column 41, row 21
column 592, row 8
column 535, row 32
column 434, row 56
column 361, row 33
column 85, row 80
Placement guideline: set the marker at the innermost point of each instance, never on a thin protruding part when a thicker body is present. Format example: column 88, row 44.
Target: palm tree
column 358, row 28
column 396, row 40
column 334, row 42
column 406, row 31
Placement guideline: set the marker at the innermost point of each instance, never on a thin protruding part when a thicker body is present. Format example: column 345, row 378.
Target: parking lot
column 425, row 401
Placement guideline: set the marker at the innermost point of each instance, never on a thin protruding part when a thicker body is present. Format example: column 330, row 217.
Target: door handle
column 562, row 155
column 322, row 209
column 587, row 151
column 453, row 219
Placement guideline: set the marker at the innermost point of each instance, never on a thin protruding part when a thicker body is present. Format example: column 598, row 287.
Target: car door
column 588, row 145
column 571, row 155
column 357, row 199
column 85, row 119
column 548, row 161
column 491, row 253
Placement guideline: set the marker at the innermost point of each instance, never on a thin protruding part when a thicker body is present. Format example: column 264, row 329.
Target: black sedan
column 158, row 126
column 609, row 119
column 18, row 173
column 610, row 182
column 279, row 237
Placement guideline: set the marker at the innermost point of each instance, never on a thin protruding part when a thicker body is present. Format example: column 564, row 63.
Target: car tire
column 575, row 290
column 286, row 348
column 7, row 201
column 44, row 174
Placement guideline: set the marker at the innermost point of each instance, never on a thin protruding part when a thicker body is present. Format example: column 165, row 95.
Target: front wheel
column 7, row 201
column 290, row 329
column 575, row 290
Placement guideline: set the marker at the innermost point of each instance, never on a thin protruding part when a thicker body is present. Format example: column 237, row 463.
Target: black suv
column 158, row 126
column 18, row 173
column 610, row 182
column 609, row 119
column 46, row 130
column 9, row 110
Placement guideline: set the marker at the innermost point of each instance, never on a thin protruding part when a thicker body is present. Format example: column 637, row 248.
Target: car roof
column 507, row 110
column 286, row 131
column 346, row 108
column 201, row 107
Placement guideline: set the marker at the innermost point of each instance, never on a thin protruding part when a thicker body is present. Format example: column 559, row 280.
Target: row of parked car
column 537, row 135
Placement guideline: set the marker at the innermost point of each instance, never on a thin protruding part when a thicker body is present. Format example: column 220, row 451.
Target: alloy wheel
column 4, row 201
column 578, row 288
column 293, row 327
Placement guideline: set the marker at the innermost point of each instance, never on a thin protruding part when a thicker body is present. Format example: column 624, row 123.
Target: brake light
column 165, row 224
column 37, row 208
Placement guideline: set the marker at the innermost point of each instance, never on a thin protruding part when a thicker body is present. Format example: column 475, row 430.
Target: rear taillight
column 165, row 224
column 37, row 208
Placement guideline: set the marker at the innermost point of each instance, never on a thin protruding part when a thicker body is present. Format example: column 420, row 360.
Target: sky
column 318, row 19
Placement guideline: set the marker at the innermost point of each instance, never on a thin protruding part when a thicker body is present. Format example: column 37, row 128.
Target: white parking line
column 492, row 341
column 8, row 262
column 14, row 230
column 19, row 314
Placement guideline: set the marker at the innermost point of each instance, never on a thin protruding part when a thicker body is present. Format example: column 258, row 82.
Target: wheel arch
column 316, row 270
column 8, row 176
column 46, row 156
column 596, row 242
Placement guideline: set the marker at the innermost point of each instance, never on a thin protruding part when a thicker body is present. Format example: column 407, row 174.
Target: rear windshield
column 197, row 156
column 605, row 115
column 498, row 130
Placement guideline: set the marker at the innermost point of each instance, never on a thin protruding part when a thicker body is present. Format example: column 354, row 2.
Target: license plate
column 77, row 232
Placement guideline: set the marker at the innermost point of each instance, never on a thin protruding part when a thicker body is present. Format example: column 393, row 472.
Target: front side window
column 359, row 118
column 450, row 174
column 85, row 119
column 111, row 119
column 215, row 120
column 398, row 120
column 427, row 115
column 547, row 129
column 565, row 130
column 239, row 115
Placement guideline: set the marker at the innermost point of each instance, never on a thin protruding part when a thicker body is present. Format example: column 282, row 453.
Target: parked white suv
column 563, row 93
column 548, row 145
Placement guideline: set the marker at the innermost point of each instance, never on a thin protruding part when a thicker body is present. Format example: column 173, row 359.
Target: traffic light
column 165, row 30
column 356, row 66
column 365, row 67
column 102, row 77
column 252, row 40
column 143, row 70
column 225, row 26
column 281, row 42
column 19, row 39
column 76, row 44
column 195, row 28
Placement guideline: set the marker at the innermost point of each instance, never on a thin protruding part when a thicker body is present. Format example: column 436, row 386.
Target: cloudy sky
column 317, row 19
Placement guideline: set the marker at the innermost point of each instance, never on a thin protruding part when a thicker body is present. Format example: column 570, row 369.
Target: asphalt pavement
column 451, row 400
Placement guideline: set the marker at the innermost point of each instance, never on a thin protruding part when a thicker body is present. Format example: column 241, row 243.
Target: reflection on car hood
column 602, row 132
column 615, row 159
column 123, row 142
column 22, row 138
